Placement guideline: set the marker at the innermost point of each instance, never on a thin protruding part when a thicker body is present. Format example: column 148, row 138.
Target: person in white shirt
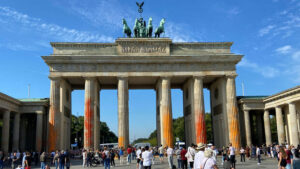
column 170, row 153
column 147, row 158
column 258, row 155
column 215, row 153
column 138, row 157
column 242, row 153
column 199, row 156
column 208, row 162
column 190, row 155
column 232, row 155
column 161, row 153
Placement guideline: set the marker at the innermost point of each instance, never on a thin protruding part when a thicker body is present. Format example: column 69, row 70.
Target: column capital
column 200, row 77
column 122, row 77
column 291, row 102
column 89, row 78
column 166, row 77
column 278, row 107
column 231, row 75
column 55, row 78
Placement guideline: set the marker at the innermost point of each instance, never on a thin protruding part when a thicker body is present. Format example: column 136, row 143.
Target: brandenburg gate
column 144, row 63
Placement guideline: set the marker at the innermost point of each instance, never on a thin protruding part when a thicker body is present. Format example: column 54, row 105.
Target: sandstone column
column 5, row 131
column 166, row 121
column 232, row 113
column 39, row 131
column 16, row 135
column 54, row 116
column 158, row 134
column 280, row 125
column 123, row 117
column 90, row 84
column 247, row 127
column 293, row 124
column 267, row 128
column 97, row 117
column 199, row 114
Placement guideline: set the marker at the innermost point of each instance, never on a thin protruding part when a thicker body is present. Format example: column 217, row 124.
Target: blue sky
column 267, row 32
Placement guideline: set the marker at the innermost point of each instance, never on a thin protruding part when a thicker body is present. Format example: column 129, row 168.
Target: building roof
column 251, row 97
column 33, row 99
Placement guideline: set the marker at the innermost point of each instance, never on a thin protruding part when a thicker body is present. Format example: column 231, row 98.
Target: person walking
column 161, row 153
column 199, row 156
column 170, row 153
column 112, row 158
column 183, row 158
column 55, row 159
column 1, row 159
column 14, row 161
column 129, row 151
column 178, row 157
column 147, row 157
column 138, row 157
column 282, row 158
column 67, row 158
column 121, row 155
column 258, row 154
column 106, row 158
column 84, row 154
column 296, row 159
column 208, row 162
column 242, row 153
column 61, row 160
column 190, row 155
column 43, row 160
column 28, row 160
column 232, row 155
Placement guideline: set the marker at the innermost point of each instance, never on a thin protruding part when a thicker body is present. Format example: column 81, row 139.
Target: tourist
column 67, row 158
column 141, row 157
column 232, row 155
column 224, row 154
column 242, row 153
column 296, row 159
column 138, row 157
column 288, row 156
column 208, row 162
column 84, row 154
column 112, row 158
column 226, row 163
column 23, row 160
column 161, row 153
column 28, row 161
column 178, row 157
column 89, row 157
column 1, row 159
column 147, row 157
column 190, row 155
column 55, row 159
column 247, row 152
column 106, row 158
column 61, row 160
column 129, row 150
column 199, row 156
column 14, row 161
column 121, row 154
column 183, row 158
column 253, row 152
column 258, row 155
column 282, row 158
column 19, row 167
column 215, row 152
column 43, row 160
column 170, row 153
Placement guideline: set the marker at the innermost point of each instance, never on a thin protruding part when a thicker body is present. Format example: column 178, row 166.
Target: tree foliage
column 77, row 128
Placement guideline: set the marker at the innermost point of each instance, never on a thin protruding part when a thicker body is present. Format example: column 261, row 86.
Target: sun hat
column 200, row 146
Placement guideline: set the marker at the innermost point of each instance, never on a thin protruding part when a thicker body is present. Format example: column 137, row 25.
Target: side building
column 23, row 123
column 257, row 113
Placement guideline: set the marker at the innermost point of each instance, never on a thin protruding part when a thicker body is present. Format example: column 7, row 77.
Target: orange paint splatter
column 234, row 132
column 167, row 123
column 52, row 137
column 88, row 124
column 121, row 141
column 200, row 127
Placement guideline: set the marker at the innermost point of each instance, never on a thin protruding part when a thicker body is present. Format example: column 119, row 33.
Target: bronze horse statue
column 126, row 29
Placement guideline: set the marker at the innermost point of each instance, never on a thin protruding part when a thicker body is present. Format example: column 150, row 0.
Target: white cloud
column 296, row 55
column 266, row 30
column 284, row 49
column 63, row 33
column 265, row 71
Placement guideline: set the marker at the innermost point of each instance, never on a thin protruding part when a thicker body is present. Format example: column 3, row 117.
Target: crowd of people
column 198, row 156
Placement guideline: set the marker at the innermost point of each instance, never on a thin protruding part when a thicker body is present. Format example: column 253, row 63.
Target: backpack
column 103, row 155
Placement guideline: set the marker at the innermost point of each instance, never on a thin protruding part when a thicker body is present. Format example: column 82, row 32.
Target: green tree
column 208, row 126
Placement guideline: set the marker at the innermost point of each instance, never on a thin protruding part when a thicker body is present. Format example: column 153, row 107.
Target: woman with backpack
column 106, row 158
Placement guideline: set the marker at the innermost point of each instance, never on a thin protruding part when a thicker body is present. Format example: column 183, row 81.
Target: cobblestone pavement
column 249, row 164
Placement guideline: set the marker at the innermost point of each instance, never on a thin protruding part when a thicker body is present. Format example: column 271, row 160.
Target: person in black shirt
column 62, row 160
column 14, row 161
column 28, row 161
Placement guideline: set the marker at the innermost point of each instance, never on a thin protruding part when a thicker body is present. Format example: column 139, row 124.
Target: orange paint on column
column 234, row 132
column 200, row 127
column 167, row 122
column 88, row 124
column 52, row 137
column 121, row 141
